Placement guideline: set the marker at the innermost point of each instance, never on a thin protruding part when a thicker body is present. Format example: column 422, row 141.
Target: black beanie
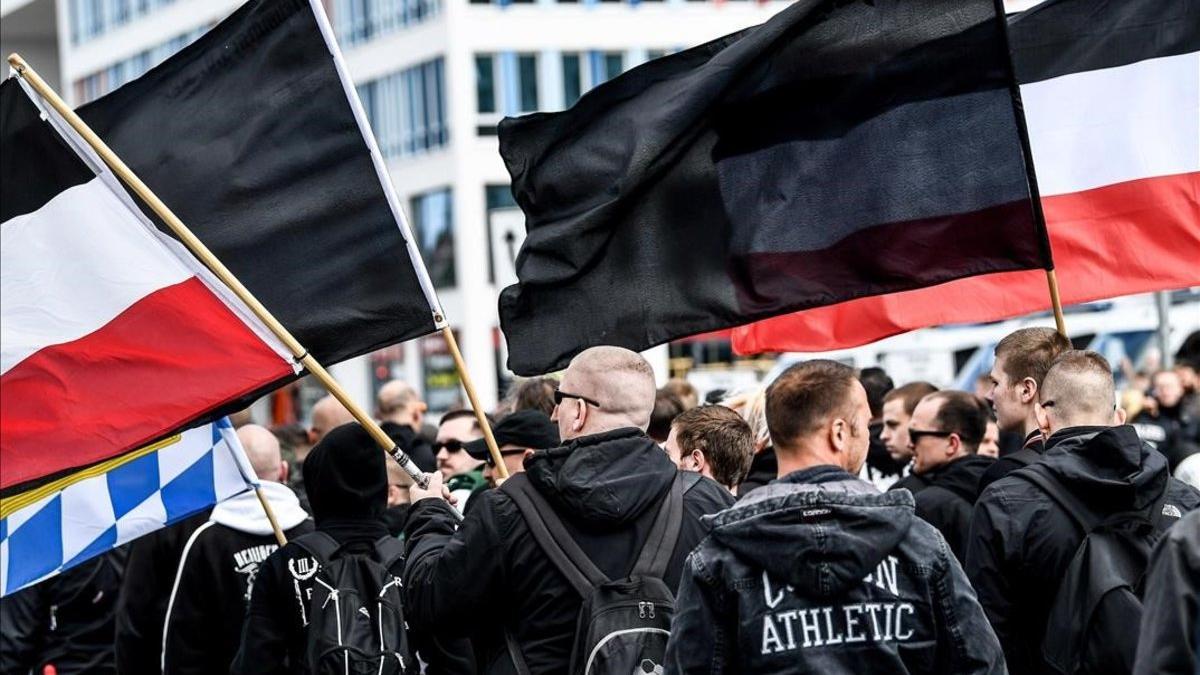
column 345, row 475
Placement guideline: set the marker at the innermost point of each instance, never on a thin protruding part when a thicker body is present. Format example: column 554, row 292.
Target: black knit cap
column 345, row 475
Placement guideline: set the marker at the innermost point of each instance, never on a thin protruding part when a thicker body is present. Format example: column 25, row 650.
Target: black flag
column 840, row 150
column 249, row 136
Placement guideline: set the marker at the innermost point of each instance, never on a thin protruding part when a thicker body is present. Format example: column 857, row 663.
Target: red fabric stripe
column 174, row 355
column 1132, row 237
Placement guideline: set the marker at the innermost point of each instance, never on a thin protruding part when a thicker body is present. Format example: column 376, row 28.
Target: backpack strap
column 664, row 534
column 1058, row 492
column 550, row 534
column 319, row 545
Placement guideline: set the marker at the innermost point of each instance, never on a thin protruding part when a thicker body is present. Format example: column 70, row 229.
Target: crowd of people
column 831, row 522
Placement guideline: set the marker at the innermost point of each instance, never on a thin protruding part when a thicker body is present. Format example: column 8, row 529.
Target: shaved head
column 262, row 449
column 1078, row 391
column 620, row 381
column 327, row 414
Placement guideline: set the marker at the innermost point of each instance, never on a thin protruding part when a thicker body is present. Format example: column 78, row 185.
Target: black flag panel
column 837, row 151
column 249, row 137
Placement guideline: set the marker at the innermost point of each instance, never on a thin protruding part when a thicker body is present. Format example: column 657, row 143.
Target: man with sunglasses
column 518, row 435
column 490, row 579
column 943, row 436
column 462, row 473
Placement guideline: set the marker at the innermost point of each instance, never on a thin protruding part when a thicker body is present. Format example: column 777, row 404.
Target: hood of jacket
column 1107, row 465
column 345, row 476
column 244, row 513
column 606, row 479
column 960, row 476
column 820, row 529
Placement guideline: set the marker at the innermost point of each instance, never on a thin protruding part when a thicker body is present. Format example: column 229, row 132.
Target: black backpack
column 355, row 617
column 623, row 624
column 1093, row 623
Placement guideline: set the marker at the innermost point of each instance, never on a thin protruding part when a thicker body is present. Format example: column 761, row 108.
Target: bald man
column 1022, row 539
column 327, row 414
column 212, row 585
column 606, row 486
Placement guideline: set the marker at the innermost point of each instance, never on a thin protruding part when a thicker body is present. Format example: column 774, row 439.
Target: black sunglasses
column 503, row 453
column 559, row 395
column 452, row 445
column 915, row 435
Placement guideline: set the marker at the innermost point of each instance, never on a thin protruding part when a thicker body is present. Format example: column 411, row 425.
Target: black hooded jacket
column 65, row 621
column 948, row 497
column 1169, row 642
column 1021, row 541
column 347, row 487
column 1030, row 452
column 606, row 488
column 819, row 572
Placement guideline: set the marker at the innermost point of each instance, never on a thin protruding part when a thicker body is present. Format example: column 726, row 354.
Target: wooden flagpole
column 493, row 449
column 218, row 268
column 262, row 499
column 1059, row 321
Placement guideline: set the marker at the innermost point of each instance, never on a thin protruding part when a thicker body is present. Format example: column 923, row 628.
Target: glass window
column 485, row 83
column 527, row 72
column 433, row 227
column 614, row 63
column 407, row 110
column 571, row 79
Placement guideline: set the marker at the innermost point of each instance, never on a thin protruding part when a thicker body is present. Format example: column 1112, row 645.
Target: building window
column 92, row 18
column 506, row 83
column 572, row 79
column 485, row 83
column 362, row 20
column 100, row 83
column 433, row 227
column 407, row 110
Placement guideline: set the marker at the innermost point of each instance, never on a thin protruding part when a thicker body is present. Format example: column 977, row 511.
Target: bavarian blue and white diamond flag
column 58, row 525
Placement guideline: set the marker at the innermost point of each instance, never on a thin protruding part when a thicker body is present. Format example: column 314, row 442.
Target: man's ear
column 528, row 453
column 699, row 460
column 838, row 431
column 1043, row 418
column 581, row 416
column 1119, row 416
column 1027, row 390
column 284, row 469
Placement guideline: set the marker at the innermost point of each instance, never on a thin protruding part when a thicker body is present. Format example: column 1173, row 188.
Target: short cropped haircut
column 724, row 438
column 535, row 393
column 960, row 413
column 667, row 407
column 878, row 384
column 1028, row 352
column 456, row 414
column 806, row 397
column 911, row 394
column 1080, row 385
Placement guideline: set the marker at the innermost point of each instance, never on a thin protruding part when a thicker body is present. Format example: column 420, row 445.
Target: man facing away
column 401, row 413
column 606, row 486
column 713, row 441
column 944, row 435
column 1023, row 358
column 1022, row 539
column 220, row 560
column 819, row 572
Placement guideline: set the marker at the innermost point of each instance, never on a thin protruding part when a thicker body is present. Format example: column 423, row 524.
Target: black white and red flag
column 1112, row 100
column 111, row 334
column 839, row 150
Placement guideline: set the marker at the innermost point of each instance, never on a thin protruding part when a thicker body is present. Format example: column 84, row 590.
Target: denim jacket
column 819, row 572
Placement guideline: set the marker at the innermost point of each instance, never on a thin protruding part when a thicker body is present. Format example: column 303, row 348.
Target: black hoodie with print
column 606, row 488
column 819, row 572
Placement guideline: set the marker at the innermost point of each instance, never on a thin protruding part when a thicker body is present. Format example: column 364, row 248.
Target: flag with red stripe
column 1112, row 103
column 112, row 334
